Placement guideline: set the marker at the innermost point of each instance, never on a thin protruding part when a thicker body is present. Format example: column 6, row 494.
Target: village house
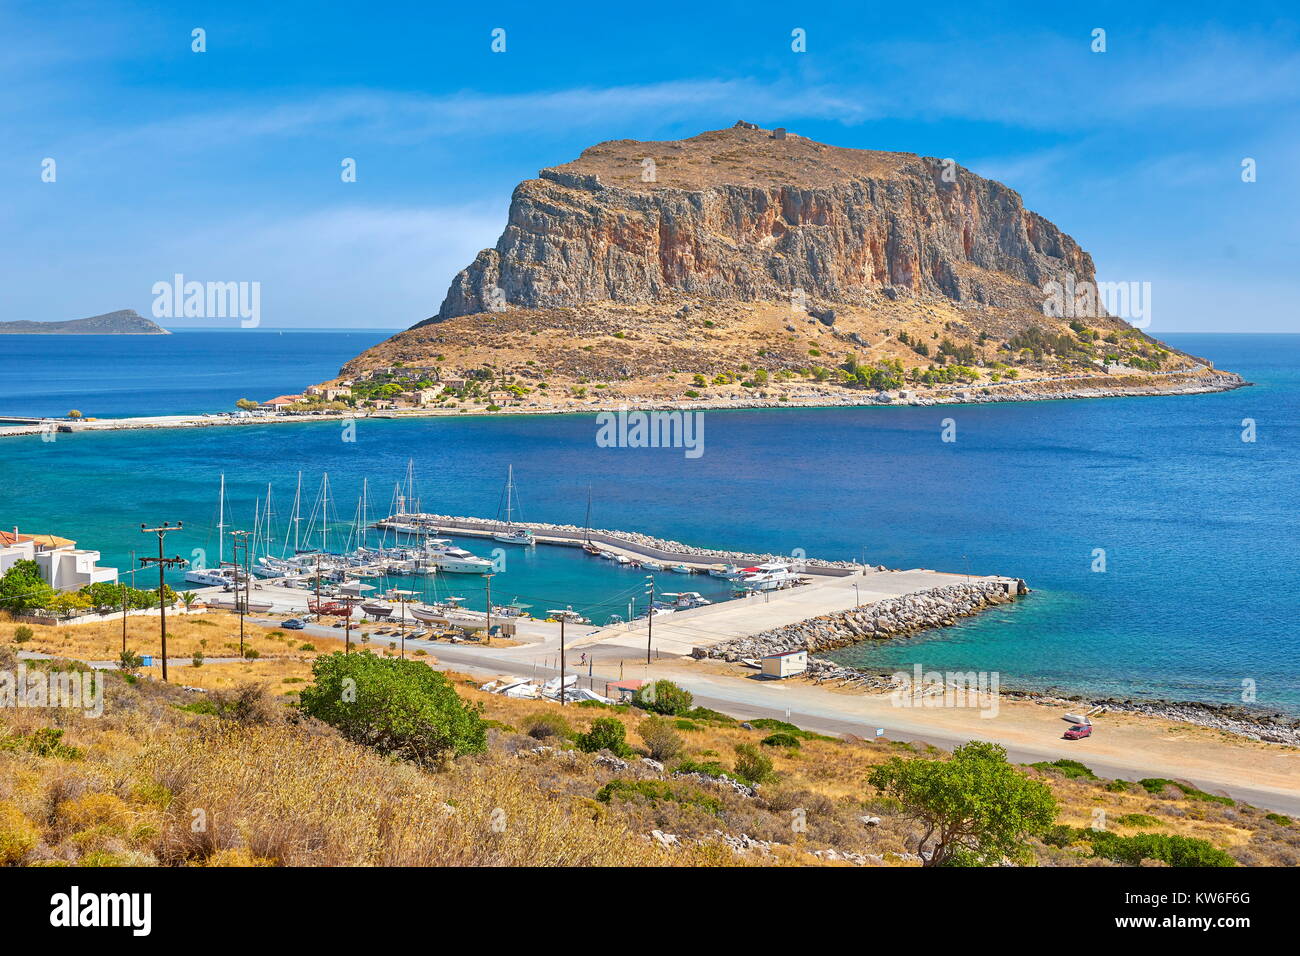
column 330, row 393
column 63, row 566
column 279, row 403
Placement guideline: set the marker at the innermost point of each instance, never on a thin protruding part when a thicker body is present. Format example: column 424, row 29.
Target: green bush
column 710, row 768
column 1137, row 820
column 780, row 739
column 544, row 725
column 1071, row 769
column 654, row 791
column 785, row 727
column 399, row 707
column 751, row 766
column 712, row 716
column 1158, row 785
column 1174, row 850
column 22, row 634
column 1281, row 819
column 660, row 738
column 664, row 697
column 606, row 733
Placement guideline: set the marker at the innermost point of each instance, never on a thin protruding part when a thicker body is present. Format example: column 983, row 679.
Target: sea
column 1156, row 534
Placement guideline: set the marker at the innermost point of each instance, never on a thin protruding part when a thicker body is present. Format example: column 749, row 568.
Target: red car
column 1078, row 732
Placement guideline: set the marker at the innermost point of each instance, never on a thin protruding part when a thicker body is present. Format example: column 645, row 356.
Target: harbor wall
column 642, row 545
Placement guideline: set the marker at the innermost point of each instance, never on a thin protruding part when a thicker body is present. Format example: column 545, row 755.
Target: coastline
column 1061, row 389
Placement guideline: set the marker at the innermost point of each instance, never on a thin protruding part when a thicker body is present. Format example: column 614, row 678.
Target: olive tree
column 974, row 808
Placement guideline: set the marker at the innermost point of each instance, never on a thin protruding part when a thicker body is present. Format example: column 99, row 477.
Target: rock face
column 740, row 215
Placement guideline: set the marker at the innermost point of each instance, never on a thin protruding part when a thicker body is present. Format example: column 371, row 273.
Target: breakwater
column 889, row 617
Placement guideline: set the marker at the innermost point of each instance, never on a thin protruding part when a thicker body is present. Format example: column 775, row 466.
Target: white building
column 785, row 664
column 63, row 566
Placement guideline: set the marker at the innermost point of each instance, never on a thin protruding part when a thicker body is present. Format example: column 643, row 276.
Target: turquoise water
column 1198, row 527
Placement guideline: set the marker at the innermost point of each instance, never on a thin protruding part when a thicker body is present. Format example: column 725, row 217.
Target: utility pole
column 650, row 620
column 241, row 540
column 488, row 636
column 562, row 619
column 163, row 564
column 123, row 583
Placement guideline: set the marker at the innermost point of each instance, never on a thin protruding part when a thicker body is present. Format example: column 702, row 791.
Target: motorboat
column 766, row 577
column 447, row 557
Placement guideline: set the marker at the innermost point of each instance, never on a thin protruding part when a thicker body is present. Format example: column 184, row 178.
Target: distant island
column 122, row 322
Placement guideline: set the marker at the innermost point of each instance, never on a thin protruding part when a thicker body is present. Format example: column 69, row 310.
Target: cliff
column 738, row 214
column 122, row 322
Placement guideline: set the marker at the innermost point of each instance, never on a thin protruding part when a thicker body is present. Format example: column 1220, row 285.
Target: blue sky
column 224, row 165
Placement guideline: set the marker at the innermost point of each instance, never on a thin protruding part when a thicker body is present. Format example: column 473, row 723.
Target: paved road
column 755, row 699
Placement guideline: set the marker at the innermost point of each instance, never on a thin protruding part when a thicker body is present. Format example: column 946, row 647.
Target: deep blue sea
column 1198, row 527
column 189, row 371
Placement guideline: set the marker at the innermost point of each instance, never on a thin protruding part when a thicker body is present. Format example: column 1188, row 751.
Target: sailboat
column 512, row 533
column 220, row 574
column 587, row 545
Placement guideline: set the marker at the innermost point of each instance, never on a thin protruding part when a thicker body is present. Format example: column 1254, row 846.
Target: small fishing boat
column 681, row 569
column 652, row 565
column 377, row 608
column 728, row 571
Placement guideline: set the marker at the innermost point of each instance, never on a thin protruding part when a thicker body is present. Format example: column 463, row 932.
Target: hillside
column 278, row 788
column 740, row 266
column 121, row 322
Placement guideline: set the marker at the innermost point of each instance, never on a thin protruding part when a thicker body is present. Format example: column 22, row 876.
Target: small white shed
column 785, row 664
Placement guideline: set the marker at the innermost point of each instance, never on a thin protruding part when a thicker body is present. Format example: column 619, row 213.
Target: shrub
column 664, row 697
column 710, row 768
column 18, row 835
column 712, row 716
column 655, row 791
column 660, row 739
column 1280, row 819
column 1071, row 769
column 784, row 727
column 398, row 707
column 545, row 725
column 1174, row 850
column 246, row 703
column 752, row 766
column 197, row 659
column 1137, row 820
column 1158, row 785
column 22, row 634
column 780, row 740
column 252, row 653
column 129, row 662
column 606, row 733
column 307, row 647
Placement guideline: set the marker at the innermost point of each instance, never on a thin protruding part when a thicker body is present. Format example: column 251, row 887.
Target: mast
column 510, row 483
column 324, row 512
column 588, row 521
column 221, row 522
